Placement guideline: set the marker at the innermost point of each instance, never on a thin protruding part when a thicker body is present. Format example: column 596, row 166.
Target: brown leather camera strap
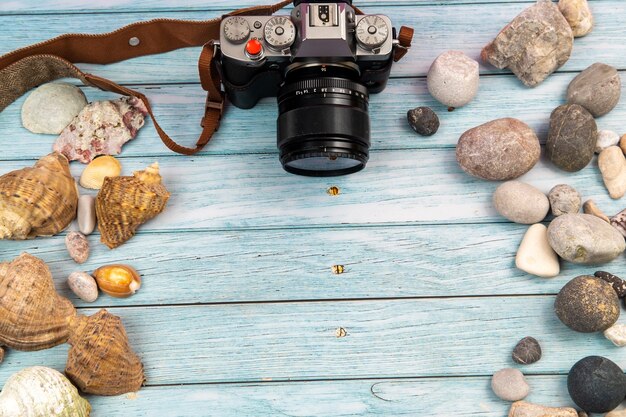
column 26, row 68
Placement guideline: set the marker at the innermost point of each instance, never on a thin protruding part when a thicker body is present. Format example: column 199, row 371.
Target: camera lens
column 323, row 126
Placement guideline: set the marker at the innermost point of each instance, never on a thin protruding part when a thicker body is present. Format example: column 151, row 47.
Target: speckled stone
column 525, row 409
column 423, row 120
column 619, row 222
column 572, row 137
column 77, row 246
column 520, row 202
column 598, row 89
column 564, row 199
column 585, row 239
column 453, row 79
column 606, row 138
column 510, row 385
column 612, row 165
column 503, row 149
column 587, row 304
column 527, row 351
column 51, row 107
column 596, row 384
column 578, row 15
column 619, row 285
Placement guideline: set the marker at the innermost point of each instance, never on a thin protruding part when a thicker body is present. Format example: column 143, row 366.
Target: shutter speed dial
column 372, row 32
column 280, row 33
column 236, row 29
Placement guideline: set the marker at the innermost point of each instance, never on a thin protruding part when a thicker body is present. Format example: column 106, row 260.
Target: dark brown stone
column 527, row 351
column 619, row 285
column 572, row 138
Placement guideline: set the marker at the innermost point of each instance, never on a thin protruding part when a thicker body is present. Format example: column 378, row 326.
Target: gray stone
column 51, row 107
column 598, row 89
column 521, row 202
column 84, row 286
column 564, row 199
column 453, row 79
column 606, row 138
column 503, row 149
column 510, row 385
column 534, row 45
column 572, row 137
column 423, row 120
column 585, row 239
column 578, row 15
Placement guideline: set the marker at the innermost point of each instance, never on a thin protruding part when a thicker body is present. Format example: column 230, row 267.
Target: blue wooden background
column 240, row 307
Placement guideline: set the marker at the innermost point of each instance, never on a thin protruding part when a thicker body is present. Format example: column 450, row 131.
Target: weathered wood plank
column 465, row 27
column 296, row 264
column 465, row 397
column 179, row 109
column 286, row 341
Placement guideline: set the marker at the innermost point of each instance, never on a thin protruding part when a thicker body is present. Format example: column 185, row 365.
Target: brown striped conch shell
column 37, row 201
column 125, row 203
column 100, row 360
column 32, row 315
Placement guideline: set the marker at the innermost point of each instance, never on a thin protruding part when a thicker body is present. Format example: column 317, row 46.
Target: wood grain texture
column 384, row 339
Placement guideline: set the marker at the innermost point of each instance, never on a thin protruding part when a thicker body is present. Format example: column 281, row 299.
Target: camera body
column 321, row 62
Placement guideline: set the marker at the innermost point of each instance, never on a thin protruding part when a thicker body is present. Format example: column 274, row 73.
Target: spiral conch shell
column 125, row 203
column 100, row 360
column 32, row 315
column 37, row 201
column 41, row 392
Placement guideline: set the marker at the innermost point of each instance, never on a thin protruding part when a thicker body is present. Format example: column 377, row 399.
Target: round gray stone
column 598, row 89
column 510, row 385
column 564, row 199
column 572, row 137
column 520, row 202
column 51, row 107
column 453, row 79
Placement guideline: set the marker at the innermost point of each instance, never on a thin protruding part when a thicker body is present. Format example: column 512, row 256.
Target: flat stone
column 585, row 239
column 612, row 165
column 616, row 334
column 510, row 385
column 578, row 15
column 572, row 137
column 597, row 88
column 525, row 409
column 520, row 202
column 453, row 79
column 535, row 255
column 564, row 199
column 503, row 149
column 423, row 120
column 51, row 107
column 596, row 384
column 534, row 45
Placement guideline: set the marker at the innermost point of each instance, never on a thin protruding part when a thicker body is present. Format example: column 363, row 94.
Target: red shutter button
column 254, row 48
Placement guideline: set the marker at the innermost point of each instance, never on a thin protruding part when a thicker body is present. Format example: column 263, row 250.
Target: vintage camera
column 322, row 62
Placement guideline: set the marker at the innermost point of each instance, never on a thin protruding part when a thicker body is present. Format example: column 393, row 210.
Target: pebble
column 587, row 304
column 51, row 107
column 578, row 15
column 77, row 246
column 622, row 143
column 527, row 351
column 453, row 79
column 510, row 385
column 535, row 256
column 534, row 45
column 590, row 207
column 423, row 120
column 616, row 413
column 598, row 89
column 572, row 137
column 564, row 199
column 585, row 239
column 616, row 334
column 520, row 202
column 84, row 286
column 596, row 384
column 86, row 216
column 619, row 222
column 606, row 138
column 619, row 285
column 524, row 409
column 612, row 166
column 503, row 149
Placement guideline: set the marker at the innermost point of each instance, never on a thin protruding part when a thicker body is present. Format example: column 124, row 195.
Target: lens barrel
column 323, row 126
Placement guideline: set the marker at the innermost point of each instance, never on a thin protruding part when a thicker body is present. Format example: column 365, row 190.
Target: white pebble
column 616, row 334
column 535, row 256
column 453, row 79
column 86, row 216
column 606, row 138
column 509, row 384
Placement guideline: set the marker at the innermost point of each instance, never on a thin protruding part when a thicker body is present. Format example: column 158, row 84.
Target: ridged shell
column 100, row 360
column 37, row 201
column 125, row 203
column 94, row 174
column 32, row 315
column 41, row 392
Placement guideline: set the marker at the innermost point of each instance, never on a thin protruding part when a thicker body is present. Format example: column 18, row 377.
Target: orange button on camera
column 254, row 47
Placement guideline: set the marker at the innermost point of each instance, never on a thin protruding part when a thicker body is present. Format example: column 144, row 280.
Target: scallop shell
column 125, row 203
column 94, row 174
column 32, row 315
column 100, row 360
column 41, row 392
column 37, row 201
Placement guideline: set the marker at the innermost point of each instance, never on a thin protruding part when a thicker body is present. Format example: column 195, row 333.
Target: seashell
column 125, row 203
column 84, row 286
column 37, row 201
column 51, row 107
column 77, row 246
column 32, row 315
column 94, row 174
column 86, row 216
column 118, row 280
column 100, row 360
column 41, row 392
column 101, row 128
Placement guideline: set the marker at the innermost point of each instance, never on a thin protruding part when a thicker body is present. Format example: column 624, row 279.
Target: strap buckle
column 212, row 106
